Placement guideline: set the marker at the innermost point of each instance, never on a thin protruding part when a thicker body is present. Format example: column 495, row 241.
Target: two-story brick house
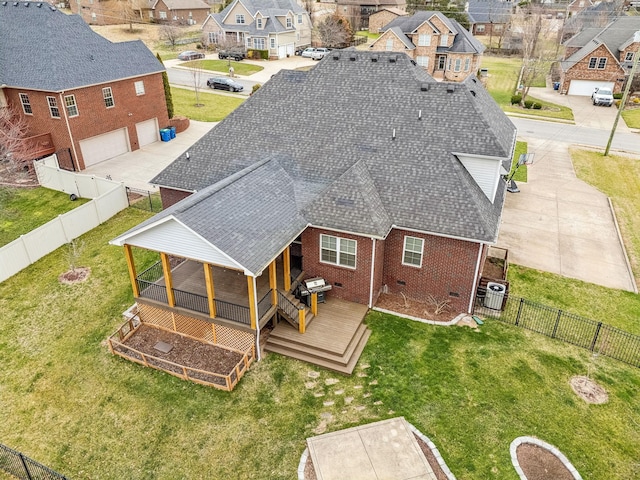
column 440, row 45
column 80, row 93
column 278, row 26
column 399, row 189
column 383, row 17
column 184, row 12
column 599, row 57
column 489, row 17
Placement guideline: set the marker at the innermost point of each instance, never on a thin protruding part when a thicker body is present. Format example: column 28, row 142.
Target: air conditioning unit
column 495, row 295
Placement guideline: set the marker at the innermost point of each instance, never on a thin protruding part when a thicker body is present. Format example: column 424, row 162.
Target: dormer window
column 239, row 18
column 289, row 22
column 259, row 23
column 444, row 40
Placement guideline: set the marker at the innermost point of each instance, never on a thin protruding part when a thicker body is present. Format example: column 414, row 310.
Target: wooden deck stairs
column 335, row 340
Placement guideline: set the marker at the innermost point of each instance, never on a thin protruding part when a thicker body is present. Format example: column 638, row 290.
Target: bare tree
column 334, row 31
column 196, row 76
column 14, row 148
column 538, row 46
column 171, row 33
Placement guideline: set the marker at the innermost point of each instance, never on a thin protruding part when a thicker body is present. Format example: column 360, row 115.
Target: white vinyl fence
column 109, row 198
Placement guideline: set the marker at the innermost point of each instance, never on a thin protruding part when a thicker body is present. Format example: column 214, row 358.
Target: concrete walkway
column 560, row 224
column 382, row 450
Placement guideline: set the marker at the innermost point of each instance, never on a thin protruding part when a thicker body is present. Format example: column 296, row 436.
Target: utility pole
column 623, row 102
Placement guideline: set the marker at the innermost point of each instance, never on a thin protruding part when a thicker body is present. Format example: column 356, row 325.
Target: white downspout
column 373, row 260
column 66, row 120
column 474, row 287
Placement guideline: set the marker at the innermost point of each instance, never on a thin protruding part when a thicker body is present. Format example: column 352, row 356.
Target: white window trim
column 272, row 42
column 24, row 101
column 444, row 40
column 259, row 24
column 338, row 250
column 240, row 20
column 289, row 22
column 139, row 86
column 71, row 106
column 424, row 40
column 52, row 102
column 107, row 93
column 404, row 251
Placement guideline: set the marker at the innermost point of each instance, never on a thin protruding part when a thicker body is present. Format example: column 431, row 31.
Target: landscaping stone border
column 536, row 441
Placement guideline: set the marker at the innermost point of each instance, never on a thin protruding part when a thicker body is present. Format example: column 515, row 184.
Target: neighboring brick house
column 358, row 12
column 80, row 93
column 185, row 12
column 489, row 17
column 278, row 26
column 385, row 195
column 383, row 17
column 599, row 57
column 440, row 45
column 577, row 6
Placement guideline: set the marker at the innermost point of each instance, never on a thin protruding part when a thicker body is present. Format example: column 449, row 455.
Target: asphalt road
column 179, row 76
column 574, row 134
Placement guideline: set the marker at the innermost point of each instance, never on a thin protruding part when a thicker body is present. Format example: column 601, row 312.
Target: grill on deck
column 309, row 286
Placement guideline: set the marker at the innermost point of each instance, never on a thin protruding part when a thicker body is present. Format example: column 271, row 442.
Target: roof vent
column 352, row 57
column 419, row 114
column 4, row 4
column 474, row 80
column 392, row 59
column 15, row 4
column 39, row 5
column 473, row 92
column 424, row 87
column 26, row 4
column 374, row 58
column 336, row 55
column 451, row 88
column 393, row 134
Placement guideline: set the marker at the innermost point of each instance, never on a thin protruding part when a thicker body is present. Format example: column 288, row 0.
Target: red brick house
column 83, row 96
column 384, row 16
column 489, row 17
column 401, row 198
column 440, row 45
column 185, row 12
column 599, row 57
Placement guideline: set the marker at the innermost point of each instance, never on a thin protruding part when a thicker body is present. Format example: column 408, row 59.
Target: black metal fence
column 144, row 200
column 590, row 334
column 21, row 466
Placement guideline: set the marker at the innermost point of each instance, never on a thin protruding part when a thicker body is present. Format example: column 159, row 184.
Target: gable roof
column 394, row 10
column 463, row 41
column 269, row 9
column 360, row 157
column 181, row 4
column 41, row 48
column 266, row 7
column 397, row 31
column 489, row 11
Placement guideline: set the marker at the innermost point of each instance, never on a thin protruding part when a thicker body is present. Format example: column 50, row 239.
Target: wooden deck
column 334, row 339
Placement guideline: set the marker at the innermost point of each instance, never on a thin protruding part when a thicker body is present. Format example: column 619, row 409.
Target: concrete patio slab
column 382, row 450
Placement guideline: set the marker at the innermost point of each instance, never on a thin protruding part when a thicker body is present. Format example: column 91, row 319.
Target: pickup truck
column 235, row 55
column 319, row 53
column 602, row 96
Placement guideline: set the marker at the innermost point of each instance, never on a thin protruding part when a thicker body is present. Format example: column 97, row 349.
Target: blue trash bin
column 165, row 134
column 172, row 131
column 556, row 85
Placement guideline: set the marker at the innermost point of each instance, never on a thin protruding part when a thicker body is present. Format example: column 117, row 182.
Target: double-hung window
column 444, row 40
column 424, row 40
column 289, row 22
column 628, row 57
column 107, row 95
column 423, row 61
column 259, row 23
column 239, row 18
column 338, row 251
column 602, row 63
column 72, row 107
column 412, row 252
column 53, row 107
column 139, row 86
column 26, row 104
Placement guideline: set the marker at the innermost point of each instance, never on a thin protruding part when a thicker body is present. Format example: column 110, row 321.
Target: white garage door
column 586, row 87
column 103, row 147
column 147, row 132
column 282, row 51
column 291, row 49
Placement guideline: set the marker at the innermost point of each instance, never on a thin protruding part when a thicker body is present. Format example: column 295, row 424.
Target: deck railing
column 227, row 382
column 231, row 311
column 192, row 301
column 264, row 304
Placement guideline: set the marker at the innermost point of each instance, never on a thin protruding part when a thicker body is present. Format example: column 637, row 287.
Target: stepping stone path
column 313, row 374
column 310, row 385
column 328, row 403
column 331, row 381
column 339, row 392
column 348, row 400
column 318, row 394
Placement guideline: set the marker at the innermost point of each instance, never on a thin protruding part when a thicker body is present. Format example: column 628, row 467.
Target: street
column 185, row 77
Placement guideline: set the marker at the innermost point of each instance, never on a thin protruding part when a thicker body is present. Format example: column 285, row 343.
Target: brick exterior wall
column 448, row 267
column 170, row 196
column 94, row 118
column 613, row 72
column 380, row 19
column 490, row 29
column 180, row 15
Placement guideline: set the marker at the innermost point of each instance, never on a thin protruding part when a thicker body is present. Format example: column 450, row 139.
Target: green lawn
column 239, row 68
column 632, row 117
column 69, row 404
column 521, row 173
column 24, row 209
column 501, row 84
column 619, row 178
column 214, row 107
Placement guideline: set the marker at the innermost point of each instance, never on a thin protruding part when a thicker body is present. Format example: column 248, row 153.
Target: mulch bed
column 538, row 463
column 415, row 308
column 186, row 351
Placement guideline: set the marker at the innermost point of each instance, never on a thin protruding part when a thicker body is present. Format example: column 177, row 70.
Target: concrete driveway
column 560, row 224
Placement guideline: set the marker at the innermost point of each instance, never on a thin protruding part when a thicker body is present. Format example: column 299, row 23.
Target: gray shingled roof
column 42, row 48
column 271, row 25
column 330, row 131
column 402, row 37
column 266, row 6
column 182, row 4
column 408, row 24
column 489, row 11
column 615, row 34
